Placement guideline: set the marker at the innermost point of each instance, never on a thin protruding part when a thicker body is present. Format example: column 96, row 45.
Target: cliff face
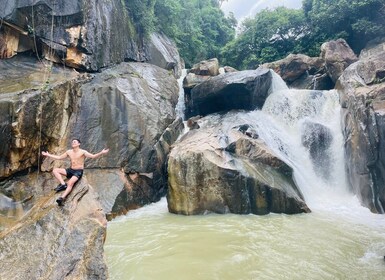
column 362, row 91
column 128, row 108
column 87, row 35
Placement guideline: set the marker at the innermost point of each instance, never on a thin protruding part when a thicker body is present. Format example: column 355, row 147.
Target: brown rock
column 215, row 170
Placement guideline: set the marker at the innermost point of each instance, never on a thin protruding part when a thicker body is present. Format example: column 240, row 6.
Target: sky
column 246, row 8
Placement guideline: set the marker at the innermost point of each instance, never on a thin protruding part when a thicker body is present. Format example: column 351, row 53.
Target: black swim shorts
column 74, row 172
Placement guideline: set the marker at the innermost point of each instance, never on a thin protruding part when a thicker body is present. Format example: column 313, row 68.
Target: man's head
column 75, row 142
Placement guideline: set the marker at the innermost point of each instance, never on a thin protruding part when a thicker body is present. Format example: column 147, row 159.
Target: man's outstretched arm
column 102, row 152
column 46, row 154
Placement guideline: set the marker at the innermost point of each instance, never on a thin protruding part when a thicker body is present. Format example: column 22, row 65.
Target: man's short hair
column 76, row 140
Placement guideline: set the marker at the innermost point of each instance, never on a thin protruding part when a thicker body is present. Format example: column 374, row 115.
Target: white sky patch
column 248, row 8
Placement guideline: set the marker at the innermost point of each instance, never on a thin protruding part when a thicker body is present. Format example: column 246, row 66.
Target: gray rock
column 362, row 92
column 238, row 90
column 164, row 53
column 317, row 138
column 35, row 100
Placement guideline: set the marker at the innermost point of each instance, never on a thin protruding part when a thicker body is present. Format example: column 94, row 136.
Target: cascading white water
column 287, row 120
column 180, row 106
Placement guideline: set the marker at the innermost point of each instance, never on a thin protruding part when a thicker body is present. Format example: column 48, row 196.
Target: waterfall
column 180, row 106
column 303, row 128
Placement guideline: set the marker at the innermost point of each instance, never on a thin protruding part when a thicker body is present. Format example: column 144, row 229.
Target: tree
column 199, row 27
column 357, row 21
column 269, row 36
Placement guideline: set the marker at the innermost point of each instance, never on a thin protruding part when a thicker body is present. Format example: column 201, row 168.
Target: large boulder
column 199, row 73
column 302, row 72
column 135, row 110
column 214, row 169
column 294, row 66
column 238, row 90
column 164, row 53
column 206, row 68
column 337, row 56
column 362, row 95
column 52, row 242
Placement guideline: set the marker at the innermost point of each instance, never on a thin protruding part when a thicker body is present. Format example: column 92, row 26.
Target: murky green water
column 334, row 243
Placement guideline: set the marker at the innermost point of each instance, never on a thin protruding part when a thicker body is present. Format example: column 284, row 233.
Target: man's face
column 75, row 143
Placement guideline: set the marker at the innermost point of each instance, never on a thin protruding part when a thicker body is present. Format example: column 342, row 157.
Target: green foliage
column 269, row 36
column 273, row 34
column 199, row 27
column 142, row 12
column 201, row 30
column 357, row 21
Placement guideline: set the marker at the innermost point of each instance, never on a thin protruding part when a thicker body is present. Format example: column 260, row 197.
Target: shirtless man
column 74, row 173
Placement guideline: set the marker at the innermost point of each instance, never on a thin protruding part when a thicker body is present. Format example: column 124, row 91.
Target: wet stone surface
column 26, row 72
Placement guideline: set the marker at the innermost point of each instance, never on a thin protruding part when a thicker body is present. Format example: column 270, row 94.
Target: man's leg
column 58, row 173
column 71, row 182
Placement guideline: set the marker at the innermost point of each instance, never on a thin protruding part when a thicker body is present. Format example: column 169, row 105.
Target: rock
column 229, row 69
column 86, row 35
column 206, row 68
column 52, row 242
column 294, row 66
column 164, row 53
column 128, row 108
column 337, row 56
column 33, row 97
column 362, row 95
column 220, row 171
column 317, row 138
column 191, row 80
column 239, row 90
column 313, row 82
column 192, row 123
column 136, row 123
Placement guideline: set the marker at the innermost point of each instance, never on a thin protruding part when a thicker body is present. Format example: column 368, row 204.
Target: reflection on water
column 150, row 243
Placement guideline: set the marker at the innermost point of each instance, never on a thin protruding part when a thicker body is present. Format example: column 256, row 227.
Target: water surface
column 151, row 243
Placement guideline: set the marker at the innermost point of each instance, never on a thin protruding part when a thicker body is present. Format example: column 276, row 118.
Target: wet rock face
column 39, row 101
column 362, row 95
column 135, row 104
column 87, row 35
column 216, row 170
column 128, row 108
column 318, row 138
column 53, row 242
column 238, row 90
